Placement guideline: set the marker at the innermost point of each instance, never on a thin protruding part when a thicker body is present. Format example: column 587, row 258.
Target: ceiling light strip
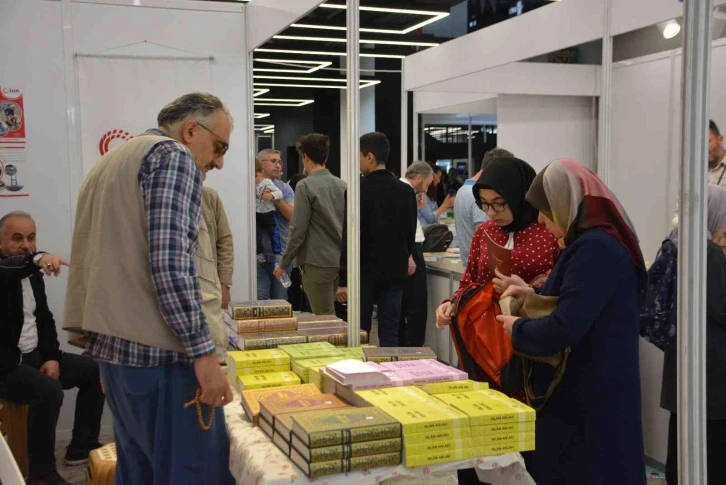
column 362, row 41
column 376, row 31
column 385, row 9
column 327, row 53
column 283, row 102
column 325, row 79
column 259, row 116
column 316, row 86
column 259, row 92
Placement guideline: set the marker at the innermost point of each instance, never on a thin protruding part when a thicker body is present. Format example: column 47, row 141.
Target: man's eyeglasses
column 222, row 146
column 275, row 161
column 497, row 206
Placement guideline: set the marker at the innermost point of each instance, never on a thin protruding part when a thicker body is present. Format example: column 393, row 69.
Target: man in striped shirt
column 135, row 292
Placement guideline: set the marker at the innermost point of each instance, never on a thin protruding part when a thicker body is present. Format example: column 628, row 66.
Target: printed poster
column 13, row 166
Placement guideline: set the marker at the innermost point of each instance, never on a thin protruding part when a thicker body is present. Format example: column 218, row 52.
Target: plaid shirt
column 171, row 186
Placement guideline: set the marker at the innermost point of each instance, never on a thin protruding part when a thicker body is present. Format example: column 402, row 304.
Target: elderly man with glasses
column 268, row 287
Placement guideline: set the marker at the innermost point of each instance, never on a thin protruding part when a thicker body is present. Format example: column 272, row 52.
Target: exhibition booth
column 94, row 72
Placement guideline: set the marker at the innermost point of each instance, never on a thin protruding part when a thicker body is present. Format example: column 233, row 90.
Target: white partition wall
column 540, row 129
column 37, row 65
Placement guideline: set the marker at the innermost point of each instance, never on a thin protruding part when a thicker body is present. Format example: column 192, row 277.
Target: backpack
column 489, row 355
column 658, row 312
column 438, row 238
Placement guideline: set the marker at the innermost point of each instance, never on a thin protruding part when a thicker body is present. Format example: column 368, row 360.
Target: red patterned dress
column 534, row 253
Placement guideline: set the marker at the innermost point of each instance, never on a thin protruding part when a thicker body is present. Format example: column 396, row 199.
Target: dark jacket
column 388, row 215
column 591, row 426
column 12, row 271
column 715, row 342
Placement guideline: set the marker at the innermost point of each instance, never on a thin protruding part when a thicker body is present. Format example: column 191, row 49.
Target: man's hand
column 267, row 196
column 449, row 202
column 411, row 266
column 51, row 368
column 342, row 295
column 51, row 264
column 212, row 381
column 518, row 292
column 277, row 273
column 226, row 296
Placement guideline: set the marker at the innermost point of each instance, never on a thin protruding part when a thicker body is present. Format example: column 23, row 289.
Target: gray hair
column 197, row 106
column 267, row 152
column 419, row 168
column 13, row 214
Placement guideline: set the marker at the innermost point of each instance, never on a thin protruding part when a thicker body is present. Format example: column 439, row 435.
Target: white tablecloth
column 255, row 460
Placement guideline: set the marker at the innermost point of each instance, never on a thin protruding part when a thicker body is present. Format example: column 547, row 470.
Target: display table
column 443, row 275
column 255, row 460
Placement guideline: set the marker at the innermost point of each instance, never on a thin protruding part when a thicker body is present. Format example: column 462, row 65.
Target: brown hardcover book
column 266, row 325
column 308, row 321
column 269, row 340
column 499, row 257
column 275, row 406
column 251, row 310
column 341, row 426
column 334, row 467
column 337, row 336
column 394, row 354
column 251, row 399
column 342, row 452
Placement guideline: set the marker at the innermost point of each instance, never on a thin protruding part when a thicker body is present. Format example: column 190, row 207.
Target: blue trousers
column 268, row 287
column 158, row 442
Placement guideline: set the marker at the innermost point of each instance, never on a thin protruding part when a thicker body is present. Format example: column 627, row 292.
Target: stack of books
column 263, row 324
column 344, row 440
column 303, row 357
column 255, row 362
column 395, row 354
column 465, row 385
column 387, row 374
column 251, row 399
column 498, row 423
column 326, row 328
column 433, row 432
column 276, row 415
column 264, row 381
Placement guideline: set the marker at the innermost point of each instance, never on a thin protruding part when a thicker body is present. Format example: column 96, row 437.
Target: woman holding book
column 512, row 225
column 590, row 429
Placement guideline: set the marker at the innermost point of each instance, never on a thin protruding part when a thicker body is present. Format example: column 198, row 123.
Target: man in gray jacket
column 317, row 226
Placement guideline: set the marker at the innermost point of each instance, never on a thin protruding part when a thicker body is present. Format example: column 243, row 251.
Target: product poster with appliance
column 13, row 165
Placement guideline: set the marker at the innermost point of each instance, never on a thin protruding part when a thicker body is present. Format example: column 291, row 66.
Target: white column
column 353, row 202
column 404, row 128
column 692, row 246
column 470, row 150
column 603, row 144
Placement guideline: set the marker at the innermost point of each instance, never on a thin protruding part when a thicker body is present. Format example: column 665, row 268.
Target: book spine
column 353, row 464
column 257, row 312
column 345, row 436
column 412, row 461
column 436, row 447
column 410, row 439
column 432, row 426
column 271, row 342
column 497, row 439
column 502, row 448
column 526, row 427
column 264, row 362
column 353, row 450
column 266, row 325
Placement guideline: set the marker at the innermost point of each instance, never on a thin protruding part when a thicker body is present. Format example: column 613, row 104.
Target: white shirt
column 29, row 334
column 419, row 231
column 717, row 176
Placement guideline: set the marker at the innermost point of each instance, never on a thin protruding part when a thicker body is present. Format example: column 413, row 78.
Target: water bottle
column 284, row 278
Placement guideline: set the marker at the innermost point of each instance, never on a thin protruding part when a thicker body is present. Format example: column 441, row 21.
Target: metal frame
column 695, row 89
column 603, row 146
column 353, row 198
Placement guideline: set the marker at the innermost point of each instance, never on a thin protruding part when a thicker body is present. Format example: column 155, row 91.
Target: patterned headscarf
column 575, row 198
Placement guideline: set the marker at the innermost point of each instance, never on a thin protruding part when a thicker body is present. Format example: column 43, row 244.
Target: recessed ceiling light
column 327, row 53
column 362, row 41
column 669, row 29
column 288, row 62
column 259, row 116
column 363, row 84
column 283, row 102
column 259, row 92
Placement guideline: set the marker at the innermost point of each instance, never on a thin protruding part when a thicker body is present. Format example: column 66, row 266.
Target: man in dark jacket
column 33, row 369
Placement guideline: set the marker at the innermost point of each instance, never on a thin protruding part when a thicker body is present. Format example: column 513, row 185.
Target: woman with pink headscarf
column 590, row 430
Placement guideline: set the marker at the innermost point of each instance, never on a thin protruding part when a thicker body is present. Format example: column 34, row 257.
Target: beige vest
column 206, row 264
column 110, row 290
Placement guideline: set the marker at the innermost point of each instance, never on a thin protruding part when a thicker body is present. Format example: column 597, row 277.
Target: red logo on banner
column 12, row 114
column 107, row 138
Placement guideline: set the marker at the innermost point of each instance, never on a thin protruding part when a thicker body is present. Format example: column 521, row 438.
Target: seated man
column 33, row 370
